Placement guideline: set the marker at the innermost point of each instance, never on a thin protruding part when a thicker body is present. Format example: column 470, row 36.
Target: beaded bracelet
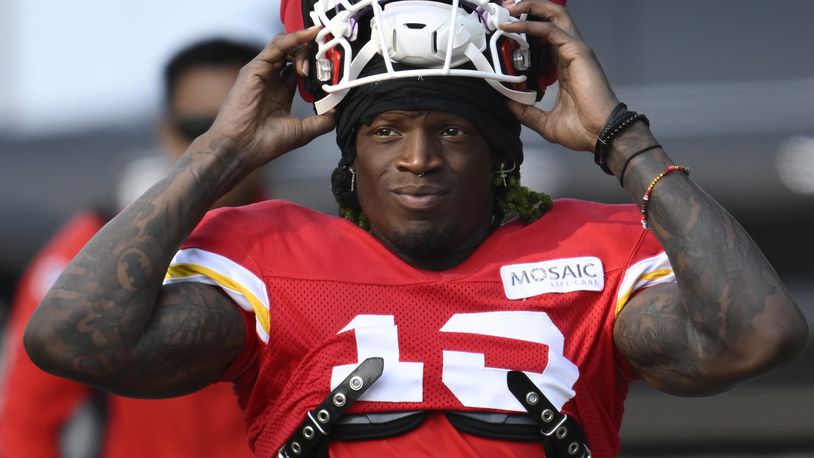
column 646, row 197
column 613, row 128
column 618, row 110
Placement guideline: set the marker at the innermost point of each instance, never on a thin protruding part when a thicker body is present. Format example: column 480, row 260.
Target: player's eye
column 384, row 132
column 452, row 132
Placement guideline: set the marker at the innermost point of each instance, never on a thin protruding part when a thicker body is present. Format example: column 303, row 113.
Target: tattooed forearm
column 100, row 321
column 730, row 316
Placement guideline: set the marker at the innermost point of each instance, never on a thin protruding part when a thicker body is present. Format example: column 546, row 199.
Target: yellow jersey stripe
column 186, row 271
column 645, row 279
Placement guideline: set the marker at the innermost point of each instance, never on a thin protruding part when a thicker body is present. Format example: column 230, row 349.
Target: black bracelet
column 613, row 128
column 618, row 110
column 630, row 158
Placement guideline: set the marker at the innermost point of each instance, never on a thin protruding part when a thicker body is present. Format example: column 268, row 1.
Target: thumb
column 528, row 115
column 316, row 125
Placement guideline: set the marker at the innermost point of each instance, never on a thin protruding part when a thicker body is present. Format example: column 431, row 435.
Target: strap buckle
column 565, row 438
column 305, row 439
column 555, row 427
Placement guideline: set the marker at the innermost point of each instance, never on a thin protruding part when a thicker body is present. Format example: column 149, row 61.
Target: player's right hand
column 255, row 120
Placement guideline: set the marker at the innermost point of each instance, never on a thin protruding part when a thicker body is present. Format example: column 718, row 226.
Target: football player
column 451, row 312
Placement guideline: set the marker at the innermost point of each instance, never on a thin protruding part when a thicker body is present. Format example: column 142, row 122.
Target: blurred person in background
column 35, row 406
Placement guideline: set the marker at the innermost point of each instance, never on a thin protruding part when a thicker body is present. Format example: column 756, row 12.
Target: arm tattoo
column 729, row 317
column 653, row 331
column 104, row 323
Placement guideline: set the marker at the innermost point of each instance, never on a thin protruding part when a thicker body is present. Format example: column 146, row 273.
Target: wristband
column 612, row 129
column 630, row 158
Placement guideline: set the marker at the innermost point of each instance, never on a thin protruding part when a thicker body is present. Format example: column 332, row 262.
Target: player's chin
column 422, row 240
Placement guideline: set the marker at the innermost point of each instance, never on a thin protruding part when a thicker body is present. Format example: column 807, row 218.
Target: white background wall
column 65, row 65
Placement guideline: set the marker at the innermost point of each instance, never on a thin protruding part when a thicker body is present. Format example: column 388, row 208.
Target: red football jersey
column 325, row 295
column 35, row 406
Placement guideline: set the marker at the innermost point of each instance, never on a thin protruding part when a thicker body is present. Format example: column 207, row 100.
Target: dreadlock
column 515, row 199
column 510, row 200
column 345, row 194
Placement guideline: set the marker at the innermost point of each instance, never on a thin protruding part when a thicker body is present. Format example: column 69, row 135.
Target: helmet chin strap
column 465, row 42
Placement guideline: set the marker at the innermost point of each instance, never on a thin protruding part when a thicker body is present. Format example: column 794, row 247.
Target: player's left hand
column 255, row 120
column 585, row 98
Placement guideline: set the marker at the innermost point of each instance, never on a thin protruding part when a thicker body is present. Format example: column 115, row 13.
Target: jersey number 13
column 464, row 373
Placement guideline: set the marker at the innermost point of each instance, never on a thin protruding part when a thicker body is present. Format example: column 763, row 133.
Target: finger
column 317, row 125
column 528, row 115
column 282, row 45
column 301, row 61
column 543, row 9
column 545, row 30
column 289, row 79
column 289, row 75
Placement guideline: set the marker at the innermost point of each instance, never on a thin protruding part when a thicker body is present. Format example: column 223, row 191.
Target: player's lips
column 420, row 197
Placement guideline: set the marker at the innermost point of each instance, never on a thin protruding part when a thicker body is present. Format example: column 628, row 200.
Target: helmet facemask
column 416, row 38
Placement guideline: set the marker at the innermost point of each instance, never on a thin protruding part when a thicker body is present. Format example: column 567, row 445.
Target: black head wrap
column 471, row 98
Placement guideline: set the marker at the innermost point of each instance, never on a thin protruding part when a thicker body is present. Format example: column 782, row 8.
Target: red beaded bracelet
column 646, row 197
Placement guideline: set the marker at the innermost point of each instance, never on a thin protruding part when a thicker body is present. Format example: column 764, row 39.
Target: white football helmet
column 432, row 38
